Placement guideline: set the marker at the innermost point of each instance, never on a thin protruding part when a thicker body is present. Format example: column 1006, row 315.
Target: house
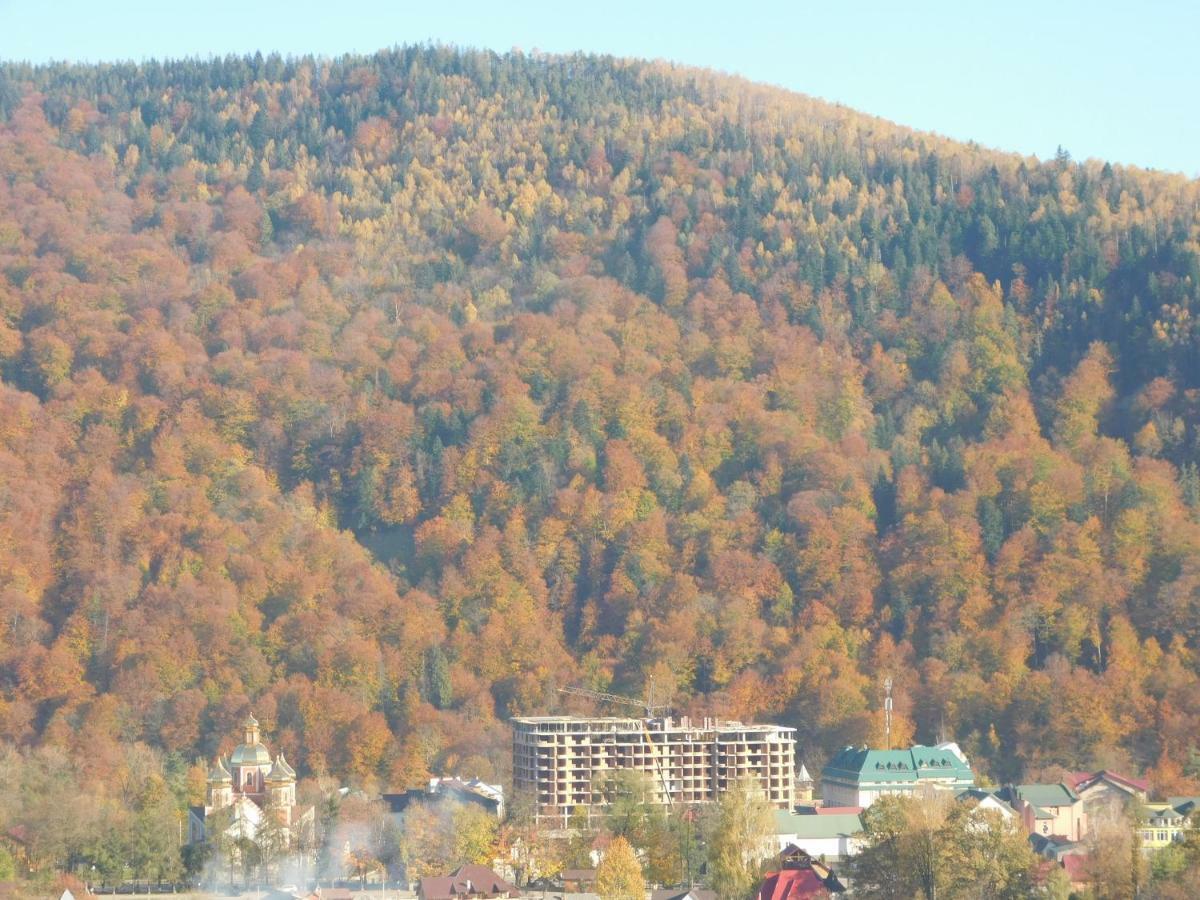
column 988, row 800
column 578, row 881
column 488, row 797
column 1048, row 809
column 1166, row 823
column 464, row 882
column 858, row 776
column 799, row 876
column 1055, row 848
column 792, row 884
column 1105, row 793
column 828, row 836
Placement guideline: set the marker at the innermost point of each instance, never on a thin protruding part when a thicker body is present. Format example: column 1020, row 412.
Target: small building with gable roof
column 832, row 836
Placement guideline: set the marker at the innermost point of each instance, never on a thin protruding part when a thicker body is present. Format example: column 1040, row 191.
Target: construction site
column 564, row 760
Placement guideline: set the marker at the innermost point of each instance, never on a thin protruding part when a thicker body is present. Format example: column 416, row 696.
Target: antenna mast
column 887, row 712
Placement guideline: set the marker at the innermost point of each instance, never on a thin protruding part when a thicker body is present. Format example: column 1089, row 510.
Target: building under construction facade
column 563, row 760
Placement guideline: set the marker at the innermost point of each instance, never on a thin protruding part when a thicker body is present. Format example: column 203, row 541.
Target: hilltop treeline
column 385, row 395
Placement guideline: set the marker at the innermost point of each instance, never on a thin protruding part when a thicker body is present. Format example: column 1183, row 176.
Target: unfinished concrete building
column 563, row 760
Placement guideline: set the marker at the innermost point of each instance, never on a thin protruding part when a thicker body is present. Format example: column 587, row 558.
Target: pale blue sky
column 1113, row 80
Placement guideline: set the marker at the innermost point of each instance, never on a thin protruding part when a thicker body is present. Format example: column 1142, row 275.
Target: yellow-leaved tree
column 619, row 875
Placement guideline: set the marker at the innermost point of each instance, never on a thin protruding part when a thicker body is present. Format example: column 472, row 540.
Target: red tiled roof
column 792, row 884
column 1076, row 779
column 1140, row 783
column 1076, row 866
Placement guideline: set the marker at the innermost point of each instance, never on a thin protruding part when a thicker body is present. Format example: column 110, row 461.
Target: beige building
column 563, row 760
column 1049, row 810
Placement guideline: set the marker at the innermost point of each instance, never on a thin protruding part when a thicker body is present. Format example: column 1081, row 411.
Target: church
column 252, row 787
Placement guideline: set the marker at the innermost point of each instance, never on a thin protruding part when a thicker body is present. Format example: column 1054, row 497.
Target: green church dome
column 251, row 751
column 250, row 755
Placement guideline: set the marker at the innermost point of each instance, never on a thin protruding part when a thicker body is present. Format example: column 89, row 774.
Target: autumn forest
column 384, row 396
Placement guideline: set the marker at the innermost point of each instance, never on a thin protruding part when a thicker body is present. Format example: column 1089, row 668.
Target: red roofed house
column 792, row 884
column 466, row 881
column 799, row 876
column 1106, row 793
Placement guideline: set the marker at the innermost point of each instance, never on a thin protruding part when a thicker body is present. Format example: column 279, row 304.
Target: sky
column 1118, row 81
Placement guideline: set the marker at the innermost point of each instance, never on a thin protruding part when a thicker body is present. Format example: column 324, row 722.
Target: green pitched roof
column 918, row 763
column 1184, row 804
column 817, row 826
column 1047, row 794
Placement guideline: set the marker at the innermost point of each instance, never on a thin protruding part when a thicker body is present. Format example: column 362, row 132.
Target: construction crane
column 652, row 710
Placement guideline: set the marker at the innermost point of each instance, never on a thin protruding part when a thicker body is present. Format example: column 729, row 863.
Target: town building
column 1081, row 802
column 1048, row 809
column 799, row 877
column 473, row 792
column 250, row 788
column 577, row 881
column 469, row 882
column 831, row 835
column 563, row 760
column 858, row 776
column 1107, row 795
column 1167, row 823
column 989, row 800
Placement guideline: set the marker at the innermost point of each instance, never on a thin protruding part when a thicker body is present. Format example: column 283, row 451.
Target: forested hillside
column 385, row 395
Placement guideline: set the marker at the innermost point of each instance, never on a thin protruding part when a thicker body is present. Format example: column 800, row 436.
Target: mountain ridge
column 617, row 377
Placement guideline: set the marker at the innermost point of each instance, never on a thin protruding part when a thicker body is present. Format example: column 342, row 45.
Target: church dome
column 219, row 774
column 251, row 751
column 250, row 755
